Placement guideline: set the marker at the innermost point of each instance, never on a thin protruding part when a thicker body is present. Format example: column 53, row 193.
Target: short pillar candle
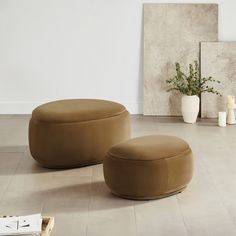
column 222, row 119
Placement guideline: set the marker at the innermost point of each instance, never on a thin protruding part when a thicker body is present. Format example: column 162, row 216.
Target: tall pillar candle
column 231, row 101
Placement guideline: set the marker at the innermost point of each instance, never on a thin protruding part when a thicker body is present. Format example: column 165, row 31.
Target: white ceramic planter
column 190, row 108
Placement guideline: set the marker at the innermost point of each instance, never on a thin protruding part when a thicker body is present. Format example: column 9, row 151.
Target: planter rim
column 184, row 95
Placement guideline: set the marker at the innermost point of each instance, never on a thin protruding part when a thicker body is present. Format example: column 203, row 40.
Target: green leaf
column 191, row 84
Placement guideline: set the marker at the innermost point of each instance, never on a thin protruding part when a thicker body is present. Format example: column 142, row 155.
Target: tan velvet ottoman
column 148, row 167
column 78, row 132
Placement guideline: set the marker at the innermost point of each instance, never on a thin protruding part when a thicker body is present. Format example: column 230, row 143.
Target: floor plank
column 80, row 199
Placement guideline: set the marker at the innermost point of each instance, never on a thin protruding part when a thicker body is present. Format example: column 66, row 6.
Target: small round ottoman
column 148, row 167
column 77, row 132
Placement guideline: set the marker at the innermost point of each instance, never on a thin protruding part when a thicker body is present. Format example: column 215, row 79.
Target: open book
column 21, row 225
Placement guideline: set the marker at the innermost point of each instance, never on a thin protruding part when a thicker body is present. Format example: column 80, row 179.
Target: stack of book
column 21, row 225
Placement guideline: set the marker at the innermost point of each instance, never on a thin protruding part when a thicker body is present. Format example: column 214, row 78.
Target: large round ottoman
column 148, row 167
column 77, row 132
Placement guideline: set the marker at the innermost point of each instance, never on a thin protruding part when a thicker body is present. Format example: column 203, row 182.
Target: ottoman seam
column 115, row 156
column 167, row 172
column 78, row 122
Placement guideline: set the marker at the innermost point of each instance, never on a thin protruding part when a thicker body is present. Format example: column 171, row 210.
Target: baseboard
column 133, row 108
column 27, row 107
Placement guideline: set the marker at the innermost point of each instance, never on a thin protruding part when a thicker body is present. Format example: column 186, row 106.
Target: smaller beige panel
column 218, row 59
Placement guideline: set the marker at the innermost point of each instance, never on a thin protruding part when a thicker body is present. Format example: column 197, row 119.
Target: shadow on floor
column 13, row 149
column 207, row 122
column 93, row 196
column 169, row 120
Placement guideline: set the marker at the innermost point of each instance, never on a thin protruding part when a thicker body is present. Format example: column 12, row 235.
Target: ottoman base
column 91, row 163
column 149, row 198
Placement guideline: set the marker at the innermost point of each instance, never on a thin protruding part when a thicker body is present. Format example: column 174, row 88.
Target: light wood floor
column 83, row 205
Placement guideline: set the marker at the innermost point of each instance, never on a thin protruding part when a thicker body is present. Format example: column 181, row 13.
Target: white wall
column 54, row 49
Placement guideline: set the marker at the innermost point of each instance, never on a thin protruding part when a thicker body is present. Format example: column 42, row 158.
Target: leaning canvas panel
column 219, row 61
column 172, row 33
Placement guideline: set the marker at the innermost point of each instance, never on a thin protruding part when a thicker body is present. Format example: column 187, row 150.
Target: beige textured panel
column 219, row 61
column 172, row 32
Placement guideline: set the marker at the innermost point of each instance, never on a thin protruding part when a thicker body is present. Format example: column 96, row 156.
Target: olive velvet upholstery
column 76, row 132
column 148, row 167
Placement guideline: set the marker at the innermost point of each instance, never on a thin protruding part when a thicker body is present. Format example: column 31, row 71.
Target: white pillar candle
column 222, row 119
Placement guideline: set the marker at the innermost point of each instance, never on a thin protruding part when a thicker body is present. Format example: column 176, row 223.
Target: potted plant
column 191, row 86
